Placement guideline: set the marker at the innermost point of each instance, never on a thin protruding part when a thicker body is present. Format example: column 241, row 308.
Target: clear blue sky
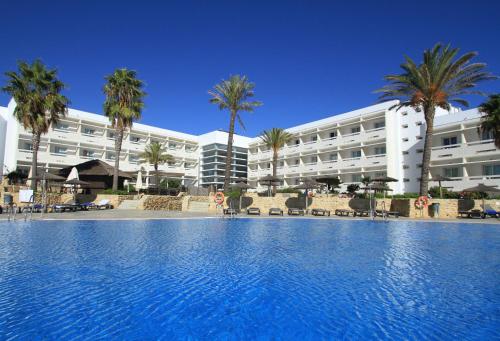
column 309, row 59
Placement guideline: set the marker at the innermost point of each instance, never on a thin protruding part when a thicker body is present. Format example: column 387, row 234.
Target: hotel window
column 405, row 125
column 380, row 124
column 419, row 165
column 281, row 164
column 110, row 156
column 419, row 123
column 60, row 150
column 171, row 163
column 268, row 165
column 133, row 158
column 406, row 180
column 487, row 135
column 334, row 157
column 172, row 145
column 297, row 162
column 406, row 167
column 356, row 153
column 87, row 153
column 62, row 126
column 355, row 130
column 188, row 165
column 297, row 142
column 405, row 139
column 448, row 141
column 451, row 172
column 491, row 169
column 88, row 131
column 135, row 139
column 313, row 159
column 404, row 113
column 356, row 178
column 111, row 135
column 405, row 152
column 314, row 138
column 419, row 151
column 28, row 146
column 333, row 134
column 418, row 137
column 380, row 150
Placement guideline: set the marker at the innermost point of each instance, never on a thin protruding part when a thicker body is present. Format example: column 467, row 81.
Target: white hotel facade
column 372, row 141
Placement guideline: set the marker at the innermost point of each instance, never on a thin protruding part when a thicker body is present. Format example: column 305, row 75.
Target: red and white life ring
column 421, row 202
column 219, row 198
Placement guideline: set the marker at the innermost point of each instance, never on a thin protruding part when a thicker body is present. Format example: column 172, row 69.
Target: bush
column 118, row 192
column 170, row 183
column 287, row 190
column 352, row 188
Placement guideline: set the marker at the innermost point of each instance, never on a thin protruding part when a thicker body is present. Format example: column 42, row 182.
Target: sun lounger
column 87, row 206
column 275, row 211
column 253, row 211
column 104, row 203
column 296, row 211
column 491, row 212
column 65, row 207
column 380, row 213
column 466, row 209
column 34, row 208
column 362, row 207
column 343, row 212
column 320, row 212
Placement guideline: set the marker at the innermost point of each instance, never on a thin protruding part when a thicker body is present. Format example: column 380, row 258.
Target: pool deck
column 145, row 215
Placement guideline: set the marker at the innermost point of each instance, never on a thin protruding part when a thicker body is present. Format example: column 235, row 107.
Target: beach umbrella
column 384, row 179
column 440, row 178
column 73, row 174
column 241, row 186
column 138, row 183
column 482, row 188
column 269, row 181
column 46, row 176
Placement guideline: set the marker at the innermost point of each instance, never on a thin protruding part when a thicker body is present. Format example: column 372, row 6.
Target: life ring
column 421, row 202
column 310, row 194
column 219, row 198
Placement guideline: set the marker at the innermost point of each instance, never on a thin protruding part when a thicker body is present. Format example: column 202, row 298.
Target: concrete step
column 198, row 206
column 129, row 205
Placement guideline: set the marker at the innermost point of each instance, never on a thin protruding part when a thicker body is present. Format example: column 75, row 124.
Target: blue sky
column 309, row 59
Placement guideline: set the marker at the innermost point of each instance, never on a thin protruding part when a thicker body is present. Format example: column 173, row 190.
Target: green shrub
column 118, row 192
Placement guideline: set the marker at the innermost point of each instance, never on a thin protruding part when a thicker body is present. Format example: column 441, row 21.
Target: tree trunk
column 426, row 158
column 118, row 149
column 34, row 160
column 275, row 167
column 229, row 153
column 157, row 178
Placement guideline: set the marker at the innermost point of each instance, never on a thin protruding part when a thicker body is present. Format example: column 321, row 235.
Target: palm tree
column 233, row 95
column 275, row 139
column 436, row 82
column 39, row 102
column 155, row 154
column 490, row 122
column 123, row 104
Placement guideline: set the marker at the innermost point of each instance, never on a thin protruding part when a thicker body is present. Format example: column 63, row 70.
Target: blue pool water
column 249, row 279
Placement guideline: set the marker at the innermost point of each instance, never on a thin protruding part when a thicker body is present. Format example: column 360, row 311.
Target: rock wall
column 162, row 203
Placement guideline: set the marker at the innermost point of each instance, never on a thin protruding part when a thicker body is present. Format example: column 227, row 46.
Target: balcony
column 464, row 150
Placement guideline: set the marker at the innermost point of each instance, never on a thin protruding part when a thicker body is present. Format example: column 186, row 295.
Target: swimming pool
column 249, row 278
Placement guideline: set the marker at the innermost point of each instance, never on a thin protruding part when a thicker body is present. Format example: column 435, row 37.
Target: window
column 406, row 180
column 60, row 150
column 355, row 130
column 418, row 137
column 334, row 157
column 380, row 150
column 356, row 153
column 88, row 131
column 419, row 123
column 405, row 125
column 133, row 158
column 405, row 139
column 419, row 165
column 297, row 162
column 356, row 178
column 405, row 152
column 268, row 165
column 111, row 135
column 62, row 126
column 380, row 124
column 87, row 153
column 172, row 145
column 281, row 164
column 491, row 169
column 406, row 167
column 188, row 165
column 313, row 159
column 28, row 146
column 314, row 138
column 419, row 151
column 448, row 141
column 404, row 113
column 135, row 139
column 171, row 163
column 450, row 172
column 297, row 142
column 333, row 134
column 111, row 156
column 487, row 135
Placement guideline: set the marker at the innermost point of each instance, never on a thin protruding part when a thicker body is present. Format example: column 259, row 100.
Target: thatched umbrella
column 47, row 176
column 269, row 181
column 440, row 178
column 306, row 185
column 482, row 188
column 241, row 186
column 384, row 179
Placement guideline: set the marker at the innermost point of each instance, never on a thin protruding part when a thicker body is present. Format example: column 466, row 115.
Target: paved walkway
column 143, row 215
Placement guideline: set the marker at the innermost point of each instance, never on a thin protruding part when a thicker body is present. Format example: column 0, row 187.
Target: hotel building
column 381, row 141
column 374, row 141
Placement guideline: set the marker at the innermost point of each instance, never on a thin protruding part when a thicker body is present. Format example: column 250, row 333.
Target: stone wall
column 161, row 203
